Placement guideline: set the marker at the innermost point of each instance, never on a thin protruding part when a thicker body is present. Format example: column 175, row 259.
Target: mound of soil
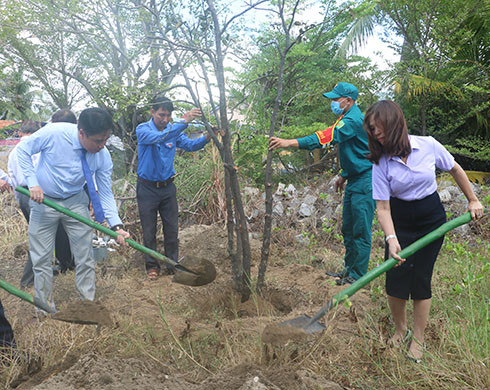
column 92, row 372
column 95, row 372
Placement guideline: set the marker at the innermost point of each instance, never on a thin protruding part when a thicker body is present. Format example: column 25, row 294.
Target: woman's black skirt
column 413, row 220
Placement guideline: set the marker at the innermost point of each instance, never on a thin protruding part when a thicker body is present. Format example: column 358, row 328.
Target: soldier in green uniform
column 358, row 209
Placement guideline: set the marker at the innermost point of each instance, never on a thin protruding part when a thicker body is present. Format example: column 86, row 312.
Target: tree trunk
column 240, row 219
column 423, row 115
column 236, row 268
column 266, row 237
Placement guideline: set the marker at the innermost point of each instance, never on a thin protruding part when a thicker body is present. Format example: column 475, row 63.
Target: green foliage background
column 116, row 56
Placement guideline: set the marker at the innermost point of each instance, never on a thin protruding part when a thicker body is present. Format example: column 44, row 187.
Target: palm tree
column 427, row 53
column 16, row 97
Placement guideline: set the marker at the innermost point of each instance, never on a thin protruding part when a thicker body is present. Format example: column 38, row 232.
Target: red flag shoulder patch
column 326, row 136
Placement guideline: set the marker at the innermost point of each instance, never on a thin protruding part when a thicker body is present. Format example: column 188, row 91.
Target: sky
column 374, row 48
column 378, row 51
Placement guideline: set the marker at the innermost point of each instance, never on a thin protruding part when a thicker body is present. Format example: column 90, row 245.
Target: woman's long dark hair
column 389, row 116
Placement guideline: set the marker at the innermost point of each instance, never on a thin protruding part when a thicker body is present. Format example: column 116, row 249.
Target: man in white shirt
column 17, row 179
column 15, row 173
column 4, row 181
column 62, row 244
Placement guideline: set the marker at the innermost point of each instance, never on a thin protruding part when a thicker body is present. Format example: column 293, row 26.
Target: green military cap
column 343, row 90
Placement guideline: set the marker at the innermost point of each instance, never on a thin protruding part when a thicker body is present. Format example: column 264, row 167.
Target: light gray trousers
column 27, row 278
column 42, row 233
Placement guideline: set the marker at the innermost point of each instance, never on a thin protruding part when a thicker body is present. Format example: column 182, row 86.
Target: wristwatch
column 389, row 237
column 117, row 227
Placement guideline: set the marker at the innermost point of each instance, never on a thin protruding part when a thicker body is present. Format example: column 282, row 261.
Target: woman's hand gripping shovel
column 307, row 325
column 190, row 271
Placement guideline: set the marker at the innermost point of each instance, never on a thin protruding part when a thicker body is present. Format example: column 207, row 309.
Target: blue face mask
column 335, row 106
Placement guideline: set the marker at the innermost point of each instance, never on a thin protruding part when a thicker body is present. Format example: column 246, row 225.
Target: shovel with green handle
column 79, row 312
column 190, row 271
column 311, row 325
column 26, row 296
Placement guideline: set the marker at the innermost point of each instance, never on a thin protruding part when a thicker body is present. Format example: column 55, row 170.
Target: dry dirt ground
column 190, row 313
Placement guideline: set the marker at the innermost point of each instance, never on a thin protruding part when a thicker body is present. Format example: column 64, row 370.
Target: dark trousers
column 62, row 248
column 413, row 220
column 151, row 202
column 6, row 333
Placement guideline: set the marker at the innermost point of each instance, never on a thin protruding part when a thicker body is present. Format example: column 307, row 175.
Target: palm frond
column 360, row 30
column 417, row 85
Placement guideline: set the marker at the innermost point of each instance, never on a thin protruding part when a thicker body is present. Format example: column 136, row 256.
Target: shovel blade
column 294, row 330
column 85, row 313
column 304, row 322
column 202, row 271
column 62, row 317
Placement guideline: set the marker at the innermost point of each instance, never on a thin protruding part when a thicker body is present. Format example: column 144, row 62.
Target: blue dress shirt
column 156, row 149
column 59, row 171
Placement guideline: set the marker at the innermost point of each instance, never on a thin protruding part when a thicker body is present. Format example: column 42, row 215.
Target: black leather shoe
column 345, row 280
column 341, row 274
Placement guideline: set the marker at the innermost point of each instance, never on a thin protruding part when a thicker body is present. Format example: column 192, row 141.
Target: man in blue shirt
column 155, row 191
column 59, row 176
column 358, row 208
